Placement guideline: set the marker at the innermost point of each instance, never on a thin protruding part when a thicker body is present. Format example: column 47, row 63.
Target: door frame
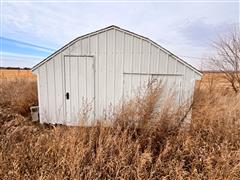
column 94, row 82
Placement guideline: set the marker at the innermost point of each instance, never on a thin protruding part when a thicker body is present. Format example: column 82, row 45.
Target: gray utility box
column 34, row 113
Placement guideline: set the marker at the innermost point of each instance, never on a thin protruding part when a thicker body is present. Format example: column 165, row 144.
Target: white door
column 79, row 88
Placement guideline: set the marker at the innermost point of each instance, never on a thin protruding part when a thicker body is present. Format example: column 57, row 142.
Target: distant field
column 216, row 78
column 208, row 78
column 11, row 73
column 214, row 81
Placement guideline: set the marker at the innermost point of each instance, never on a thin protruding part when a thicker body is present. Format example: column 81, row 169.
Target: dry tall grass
column 12, row 73
column 18, row 94
column 141, row 144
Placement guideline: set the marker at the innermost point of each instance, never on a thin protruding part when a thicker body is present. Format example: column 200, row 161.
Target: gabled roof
column 120, row 29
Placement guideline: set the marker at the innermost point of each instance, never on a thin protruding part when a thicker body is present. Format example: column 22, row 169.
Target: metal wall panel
column 128, row 45
column 101, row 71
column 59, row 91
column 145, row 56
column 73, row 49
column 163, row 59
column 43, row 94
column 90, row 86
column 171, row 65
column 51, row 91
column 119, row 58
column 136, row 53
column 154, row 59
column 110, row 70
column 123, row 62
column 179, row 68
column 85, row 46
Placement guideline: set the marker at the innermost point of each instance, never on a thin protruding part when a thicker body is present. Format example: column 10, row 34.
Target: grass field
column 215, row 81
column 141, row 144
column 12, row 73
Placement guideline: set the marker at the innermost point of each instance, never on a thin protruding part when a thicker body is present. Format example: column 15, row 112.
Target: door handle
column 67, row 95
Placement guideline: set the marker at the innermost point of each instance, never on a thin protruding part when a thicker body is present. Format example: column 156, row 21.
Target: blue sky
column 32, row 30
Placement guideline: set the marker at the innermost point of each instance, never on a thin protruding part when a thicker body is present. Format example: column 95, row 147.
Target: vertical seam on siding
column 97, row 59
column 86, row 79
column 70, row 87
column 175, row 69
column 88, row 52
column 176, row 79
column 149, row 57
column 83, row 98
column 193, row 84
column 158, row 61
column 140, row 64
column 167, row 63
column 184, row 72
column 94, row 79
column 69, row 104
column 89, row 47
column 79, row 98
column 55, row 97
column 123, row 61
column 131, row 53
column 39, row 95
column 78, row 85
column 114, row 70
column 94, row 91
column 184, row 79
column 63, row 86
column 106, row 71
column 46, row 69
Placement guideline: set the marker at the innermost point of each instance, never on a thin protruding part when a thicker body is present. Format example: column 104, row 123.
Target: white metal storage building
column 103, row 67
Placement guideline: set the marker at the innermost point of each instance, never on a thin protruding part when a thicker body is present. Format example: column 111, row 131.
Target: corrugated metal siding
column 43, row 92
column 119, row 57
column 59, row 88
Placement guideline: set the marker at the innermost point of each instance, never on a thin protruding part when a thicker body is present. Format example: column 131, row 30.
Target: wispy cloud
column 183, row 28
column 21, row 43
column 23, row 48
column 19, row 60
column 200, row 33
column 20, row 55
